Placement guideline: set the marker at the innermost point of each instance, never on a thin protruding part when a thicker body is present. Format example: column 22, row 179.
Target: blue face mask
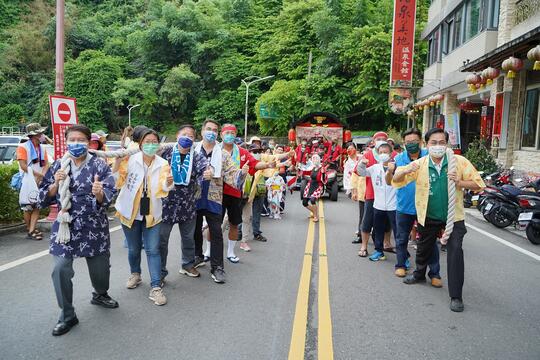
column 210, row 136
column 185, row 142
column 77, row 149
column 228, row 138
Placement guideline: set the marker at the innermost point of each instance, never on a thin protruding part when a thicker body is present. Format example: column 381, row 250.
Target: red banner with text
column 403, row 43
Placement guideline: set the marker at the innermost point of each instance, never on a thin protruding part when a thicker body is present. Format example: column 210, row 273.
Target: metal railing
column 11, row 130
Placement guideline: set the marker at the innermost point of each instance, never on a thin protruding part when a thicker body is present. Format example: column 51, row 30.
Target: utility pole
column 310, row 58
column 59, row 81
column 131, row 107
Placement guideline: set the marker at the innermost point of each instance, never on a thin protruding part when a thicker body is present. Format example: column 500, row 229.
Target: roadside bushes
column 9, row 199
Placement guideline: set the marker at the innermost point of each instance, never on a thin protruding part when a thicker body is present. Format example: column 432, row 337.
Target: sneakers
column 400, row 272
column 103, row 300
column 410, row 280
column 260, row 238
column 218, row 274
column 456, row 305
column 134, row 281
column 244, row 246
column 157, row 296
column 377, row 256
column 191, row 272
column 436, row 282
column 199, row 262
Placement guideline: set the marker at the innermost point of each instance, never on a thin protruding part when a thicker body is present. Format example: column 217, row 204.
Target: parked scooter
column 529, row 218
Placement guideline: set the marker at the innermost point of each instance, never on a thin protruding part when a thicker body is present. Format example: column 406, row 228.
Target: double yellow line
column 325, row 347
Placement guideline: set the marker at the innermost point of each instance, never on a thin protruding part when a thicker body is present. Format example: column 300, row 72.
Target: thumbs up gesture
column 245, row 169
column 97, row 187
column 208, row 173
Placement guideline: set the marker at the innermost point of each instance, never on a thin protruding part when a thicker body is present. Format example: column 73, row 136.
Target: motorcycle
column 529, row 218
column 488, row 196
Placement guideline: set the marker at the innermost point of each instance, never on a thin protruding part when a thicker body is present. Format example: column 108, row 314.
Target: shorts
column 29, row 207
column 233, row 206
column 367, row 221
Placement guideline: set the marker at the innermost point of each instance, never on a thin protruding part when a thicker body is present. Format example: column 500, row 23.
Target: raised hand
column 97, row 186
column 59, row 176
column 391, row 167
column 245, row 169
column 169, row 179
column 208, row 173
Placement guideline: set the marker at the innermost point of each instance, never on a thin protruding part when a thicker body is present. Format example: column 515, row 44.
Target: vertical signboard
column 63, row 115
column 497, row 121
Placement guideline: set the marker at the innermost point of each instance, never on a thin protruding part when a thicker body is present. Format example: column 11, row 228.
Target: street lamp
column 131, row 107
column 247, row 84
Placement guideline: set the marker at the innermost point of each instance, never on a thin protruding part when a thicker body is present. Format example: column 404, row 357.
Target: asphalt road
column 373, row 315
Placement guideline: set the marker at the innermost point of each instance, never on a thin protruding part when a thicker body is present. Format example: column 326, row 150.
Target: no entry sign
column 63, row 115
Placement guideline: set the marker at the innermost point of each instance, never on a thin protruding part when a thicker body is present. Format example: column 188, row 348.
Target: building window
column 493, row 18
column 529, row 131
column 433, row 47
column 472, row 19
column 458, row 17
column 447, row 32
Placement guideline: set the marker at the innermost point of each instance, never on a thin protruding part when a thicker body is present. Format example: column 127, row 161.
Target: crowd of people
column 216, row 191
column 406, row 193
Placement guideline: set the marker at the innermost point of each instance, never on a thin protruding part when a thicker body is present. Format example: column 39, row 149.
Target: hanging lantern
column 347, row 136
column 425, row 104
column 534, row 55
column 438, row 99
column 512, row 65
column 481, row 84
column 490, row 74
column 292, row 135
column 431, row 101
column 472, row 80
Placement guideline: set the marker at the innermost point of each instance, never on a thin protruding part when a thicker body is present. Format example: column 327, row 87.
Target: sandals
column 233, row 259
column 390, row 250
column 315, row 219
column 35, row 235
column 363, row 253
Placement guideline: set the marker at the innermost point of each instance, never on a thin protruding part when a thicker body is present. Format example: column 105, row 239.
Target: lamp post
column 131, row 107
column 254, row 79
column 59, row 81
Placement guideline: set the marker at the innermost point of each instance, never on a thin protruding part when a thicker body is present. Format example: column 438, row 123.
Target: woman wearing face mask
column 92, row 189
column 348, row 167
column 384, row 204
column 314, row 188
column 143, row 179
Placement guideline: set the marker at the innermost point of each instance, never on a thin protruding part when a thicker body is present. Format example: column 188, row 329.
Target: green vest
column 437, row 208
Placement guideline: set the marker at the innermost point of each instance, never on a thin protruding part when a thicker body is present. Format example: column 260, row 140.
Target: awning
column 517, row 47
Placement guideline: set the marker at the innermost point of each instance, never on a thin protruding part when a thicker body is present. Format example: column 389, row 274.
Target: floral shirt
column 89, row 227
column 180, row 205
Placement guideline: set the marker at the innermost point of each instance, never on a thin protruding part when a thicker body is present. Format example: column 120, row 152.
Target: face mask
column 412, row 148
column 437, row 151
column 150, row 149
column 185, row 142
column 42, row 138
column 77, row 149
column 228, row 138
column 210, row 136
column 257, row 156
column 304, row 143
column 271, row 147
column 351, row 152
column 378, row 143
column 384, row 158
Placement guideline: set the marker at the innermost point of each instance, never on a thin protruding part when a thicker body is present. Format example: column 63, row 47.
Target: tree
column 136, row 91
column 180, row 89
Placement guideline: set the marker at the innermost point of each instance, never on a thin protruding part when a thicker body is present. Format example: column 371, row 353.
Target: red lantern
column 512, row 65
column 490, row 74
column 292, row 135
column 534, row 55
column 347, row 136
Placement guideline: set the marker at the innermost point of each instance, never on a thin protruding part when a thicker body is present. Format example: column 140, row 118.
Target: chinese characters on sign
column 497, row 120
column 401, row 68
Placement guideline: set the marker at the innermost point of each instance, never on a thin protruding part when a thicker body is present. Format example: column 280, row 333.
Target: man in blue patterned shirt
column 179, row 207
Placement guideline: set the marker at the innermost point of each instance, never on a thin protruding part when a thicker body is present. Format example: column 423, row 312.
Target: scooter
column 529, row 218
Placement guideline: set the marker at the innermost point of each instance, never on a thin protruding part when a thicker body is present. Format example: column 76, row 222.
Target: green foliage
column 184, row 60
column 480, row 156
column 9, row 206
column 91, row 79
column 11, row 115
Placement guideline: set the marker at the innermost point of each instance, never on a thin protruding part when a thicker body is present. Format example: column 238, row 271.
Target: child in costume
column 276, row 186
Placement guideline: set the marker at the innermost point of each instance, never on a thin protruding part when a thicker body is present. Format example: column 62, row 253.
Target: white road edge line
column 504, row 242
column 35, row 256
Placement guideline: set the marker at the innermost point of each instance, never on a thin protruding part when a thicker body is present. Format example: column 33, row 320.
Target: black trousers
column 454, row 257
column 216, row 237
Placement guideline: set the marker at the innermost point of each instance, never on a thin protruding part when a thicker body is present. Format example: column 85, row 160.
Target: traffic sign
column 63, row 115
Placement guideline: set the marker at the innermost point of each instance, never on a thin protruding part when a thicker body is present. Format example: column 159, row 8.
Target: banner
column 497, row 121
column 403, row 43
column 451, row 125
column 63, row 115
column 332, row 133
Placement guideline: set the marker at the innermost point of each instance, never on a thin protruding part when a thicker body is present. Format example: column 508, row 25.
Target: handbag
column 16, row 181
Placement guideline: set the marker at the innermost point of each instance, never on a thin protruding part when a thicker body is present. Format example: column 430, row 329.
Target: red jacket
column 301, row 157
column 333, row 155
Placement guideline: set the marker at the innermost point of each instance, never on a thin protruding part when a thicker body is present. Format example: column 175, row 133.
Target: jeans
column 404, row 225
column 187, row 241
column 258, row 203
column 136, row 236
column 380, row 220
column 99, row 271
column 216, row 237
column 360, row 216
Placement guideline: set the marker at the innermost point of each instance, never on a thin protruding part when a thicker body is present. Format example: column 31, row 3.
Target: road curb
column 10, row 229
column 510, row 229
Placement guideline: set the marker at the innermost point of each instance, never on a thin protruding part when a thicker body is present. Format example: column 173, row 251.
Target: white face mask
column 437, row 151
column 378, row 143
column 257, row 156
column 384, row 158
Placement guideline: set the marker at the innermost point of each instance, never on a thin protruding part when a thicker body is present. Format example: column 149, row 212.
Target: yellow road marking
column 325, row 346
column 298, row 336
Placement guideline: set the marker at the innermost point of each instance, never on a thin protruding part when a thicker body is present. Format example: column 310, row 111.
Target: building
column 466, row 37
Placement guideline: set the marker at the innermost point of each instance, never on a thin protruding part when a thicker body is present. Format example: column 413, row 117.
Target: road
column 284, row 299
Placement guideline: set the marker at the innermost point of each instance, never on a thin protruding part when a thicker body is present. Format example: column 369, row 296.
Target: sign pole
column 59, row 81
